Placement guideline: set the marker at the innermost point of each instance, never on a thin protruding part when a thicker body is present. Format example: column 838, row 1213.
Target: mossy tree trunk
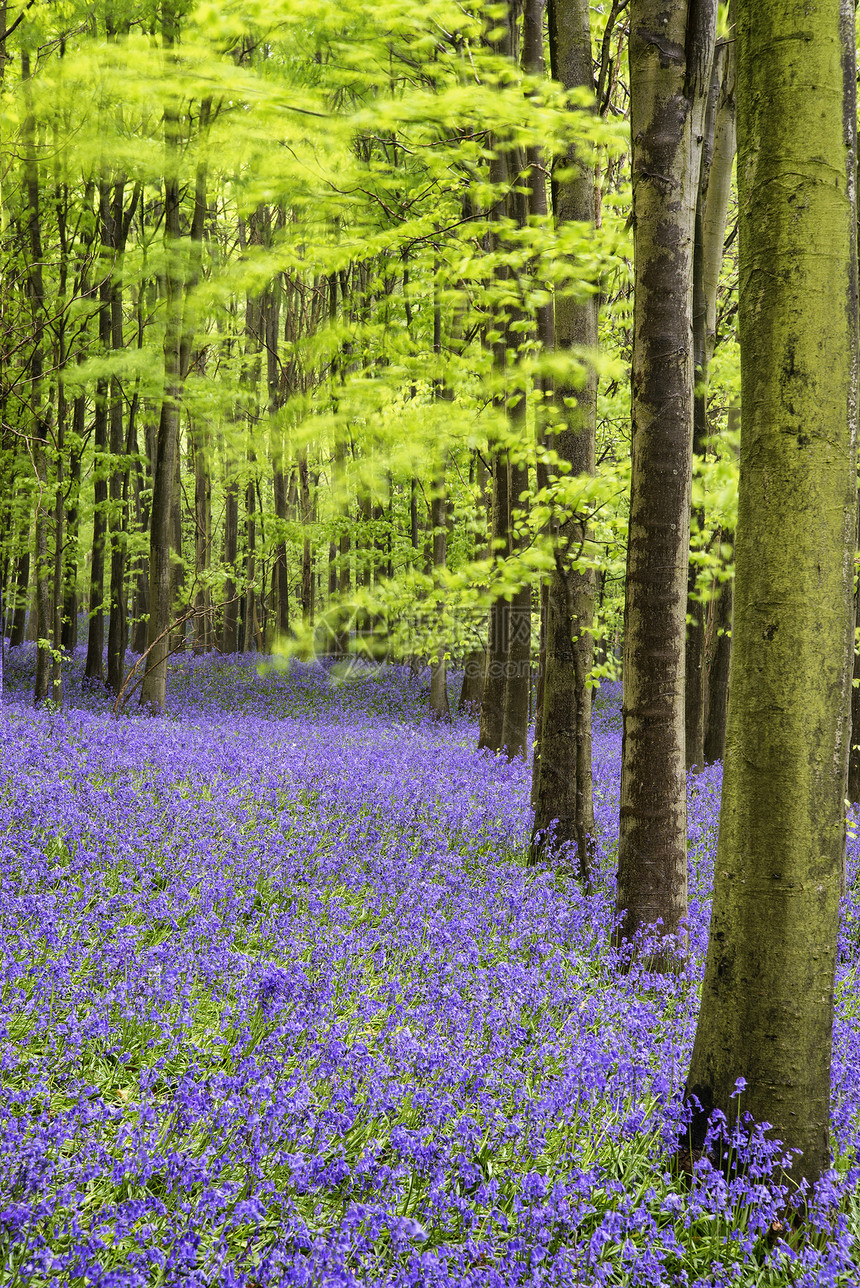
column 767, row 1001
column 671, row 49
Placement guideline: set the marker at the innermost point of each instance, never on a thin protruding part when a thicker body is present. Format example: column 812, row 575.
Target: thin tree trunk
column 282, row 584
column 669, row 76
column 718, row 153
column 118, row 525
column 202, row 538
column 153, row 692
column 495, row 677
column 767, row 1000
column 307, row 548
column 515, row 721
column 142, row 474
column 94, row 665
column 230, row 633
column 70, row 562
column 36, row 293
column 854, row 757
column 250, row 614
column 439, row 706
column 18, row 629
column 718, row 677
column 563, row 795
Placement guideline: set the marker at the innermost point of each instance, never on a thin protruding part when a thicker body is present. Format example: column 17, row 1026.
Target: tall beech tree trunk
column 118, row 489
column 59, row 524
column 534, row 63
column 18, row 627
column 718, row 154
column 60, row 358
column 563, row 795
column 475, row 662
column 307, row 547
column 718, row 676
column 853, row 791
column 439, row 706
column 200, row 447
column 515, row 722
column 767, row 1000
column 230, row 630
column 854, row 756
column 36, row 293
column 492, row 712
column 70, row 548
column 94, row 665
column 670, row 66
column 153, row 692
column 142, row 476
column 280, row 584
column 250, row 614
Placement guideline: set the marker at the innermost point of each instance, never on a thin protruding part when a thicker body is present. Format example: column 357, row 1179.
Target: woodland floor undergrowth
column 283, row 1004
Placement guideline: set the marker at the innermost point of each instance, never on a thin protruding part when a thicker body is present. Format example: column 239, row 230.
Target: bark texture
column 767, row 1002
column 715, row 182
column 671, row 49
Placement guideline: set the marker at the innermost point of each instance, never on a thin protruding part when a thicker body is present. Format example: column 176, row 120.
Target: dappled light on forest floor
column 283, row 1005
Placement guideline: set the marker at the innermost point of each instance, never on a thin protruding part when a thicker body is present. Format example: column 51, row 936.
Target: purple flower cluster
column 282, row 1004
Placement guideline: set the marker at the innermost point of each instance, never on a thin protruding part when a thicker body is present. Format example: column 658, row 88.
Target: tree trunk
column 118, row 524
column 718, row 153
column 854, row 757
column 59, row 523
column 250, row 614
column 307, row 547
column 142, row 475
column 718, row 677
column 153, row 693
column 94, row 666
column 515, row 721
column 669, row 76
column 563, row 795
column 767, row 1000
column 230, row 632
column 18, row 628
column 474, row 665
column 36, row 293
column 854, row 744
column 70, row 561
column 439, row 706
column 495, row 676
column 282, row 584
column 202, row 539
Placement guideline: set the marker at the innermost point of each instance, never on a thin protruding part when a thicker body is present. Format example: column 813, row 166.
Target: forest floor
column 282, row 1004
